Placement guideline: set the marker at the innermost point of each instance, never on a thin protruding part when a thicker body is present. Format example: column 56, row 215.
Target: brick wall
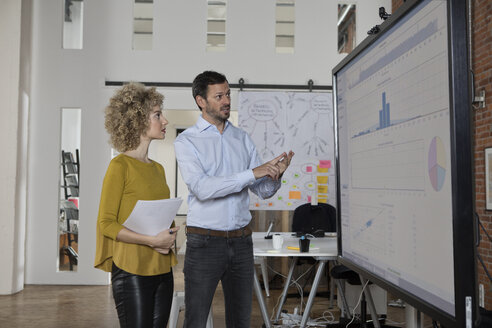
column 482, row 122
column 482, row 126
column 395, row 4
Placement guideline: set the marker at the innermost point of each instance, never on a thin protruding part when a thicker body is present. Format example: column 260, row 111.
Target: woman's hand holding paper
column 164, row 240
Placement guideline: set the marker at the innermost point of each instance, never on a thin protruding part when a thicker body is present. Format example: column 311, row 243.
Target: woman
column 140, row 265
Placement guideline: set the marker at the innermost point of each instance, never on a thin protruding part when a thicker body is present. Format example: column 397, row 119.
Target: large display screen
column 394, row 115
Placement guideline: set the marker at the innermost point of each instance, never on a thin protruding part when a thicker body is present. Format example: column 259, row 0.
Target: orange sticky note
column 326, row 164
column 294, row 195
column 323, row 179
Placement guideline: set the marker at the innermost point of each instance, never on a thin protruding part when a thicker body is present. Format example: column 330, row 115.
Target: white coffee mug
column 277, row 240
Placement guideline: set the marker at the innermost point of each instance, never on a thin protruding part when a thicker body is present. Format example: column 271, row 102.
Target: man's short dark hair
column 203, row 80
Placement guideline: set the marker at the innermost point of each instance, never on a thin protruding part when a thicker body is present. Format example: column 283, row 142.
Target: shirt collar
column 203, row 124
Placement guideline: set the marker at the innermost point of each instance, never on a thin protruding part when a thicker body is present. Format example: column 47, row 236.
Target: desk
column 323, row 250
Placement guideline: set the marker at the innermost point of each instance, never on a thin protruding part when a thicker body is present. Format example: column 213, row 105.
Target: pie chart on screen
column 437, row 163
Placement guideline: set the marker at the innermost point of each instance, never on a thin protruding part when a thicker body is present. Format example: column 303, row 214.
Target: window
column 73, row 24
column 284, row 26
column 216, row 25
column 68, row 214
column 143, row 20
column 346, row 28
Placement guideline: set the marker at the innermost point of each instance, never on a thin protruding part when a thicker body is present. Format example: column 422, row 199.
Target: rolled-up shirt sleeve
column 264, row 187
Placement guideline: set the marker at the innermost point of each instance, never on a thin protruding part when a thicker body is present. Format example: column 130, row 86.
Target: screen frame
column 464, row 227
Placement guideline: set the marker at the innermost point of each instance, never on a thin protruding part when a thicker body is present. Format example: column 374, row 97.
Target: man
column 219, row 163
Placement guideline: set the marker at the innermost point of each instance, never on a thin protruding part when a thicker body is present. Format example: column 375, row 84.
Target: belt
column 242, row 232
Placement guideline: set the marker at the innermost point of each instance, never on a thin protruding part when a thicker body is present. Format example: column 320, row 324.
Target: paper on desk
column 149, row 217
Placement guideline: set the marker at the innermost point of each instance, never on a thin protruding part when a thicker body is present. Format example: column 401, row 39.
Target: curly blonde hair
column 127, row 115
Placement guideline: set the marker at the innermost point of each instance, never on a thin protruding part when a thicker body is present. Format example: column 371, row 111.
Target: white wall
column 75, row 78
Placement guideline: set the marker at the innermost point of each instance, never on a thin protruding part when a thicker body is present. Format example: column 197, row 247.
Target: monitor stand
column 413, row 317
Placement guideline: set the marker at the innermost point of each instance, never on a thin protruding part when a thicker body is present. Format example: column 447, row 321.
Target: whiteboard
column 298, row 121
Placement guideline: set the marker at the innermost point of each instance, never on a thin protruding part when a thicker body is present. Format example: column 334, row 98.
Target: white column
column 11, row 229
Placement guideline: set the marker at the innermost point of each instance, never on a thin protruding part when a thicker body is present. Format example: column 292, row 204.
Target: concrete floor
column 93, row 306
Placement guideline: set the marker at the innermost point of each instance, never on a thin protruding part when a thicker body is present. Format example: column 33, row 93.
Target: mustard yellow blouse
column 128, row 180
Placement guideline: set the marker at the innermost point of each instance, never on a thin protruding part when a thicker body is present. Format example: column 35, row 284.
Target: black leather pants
column 142, row 301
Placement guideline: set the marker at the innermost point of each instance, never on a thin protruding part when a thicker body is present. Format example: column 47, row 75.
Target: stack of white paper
column 149, row 217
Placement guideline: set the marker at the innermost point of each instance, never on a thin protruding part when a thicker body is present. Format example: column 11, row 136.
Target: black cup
column 304, row 245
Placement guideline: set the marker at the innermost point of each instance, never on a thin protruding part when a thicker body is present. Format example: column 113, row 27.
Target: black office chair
column 313, row 220
column 341, row 273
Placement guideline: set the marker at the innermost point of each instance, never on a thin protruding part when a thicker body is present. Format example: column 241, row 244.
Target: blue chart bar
column 384, row 119
column 384, row 114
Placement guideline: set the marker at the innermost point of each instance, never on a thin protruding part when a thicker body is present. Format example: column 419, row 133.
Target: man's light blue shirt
column 218, row 170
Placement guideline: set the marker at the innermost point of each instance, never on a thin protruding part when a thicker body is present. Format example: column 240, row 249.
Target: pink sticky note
column 309, row 199
column 309, row 169
column 325, row 164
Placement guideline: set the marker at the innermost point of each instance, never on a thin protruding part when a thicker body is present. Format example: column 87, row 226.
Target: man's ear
column 201, row 102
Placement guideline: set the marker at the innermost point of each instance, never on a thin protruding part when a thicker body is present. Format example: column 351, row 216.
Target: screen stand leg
column 413, row 317
column 370, row 303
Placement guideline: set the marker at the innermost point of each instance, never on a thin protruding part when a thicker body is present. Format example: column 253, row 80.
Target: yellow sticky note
column 323, row 179
column 294, row 195
column 322, row 189
column 322, row 169
column 322, row 200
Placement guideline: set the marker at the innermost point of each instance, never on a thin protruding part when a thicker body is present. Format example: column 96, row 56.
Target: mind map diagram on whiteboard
column 298, row 121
